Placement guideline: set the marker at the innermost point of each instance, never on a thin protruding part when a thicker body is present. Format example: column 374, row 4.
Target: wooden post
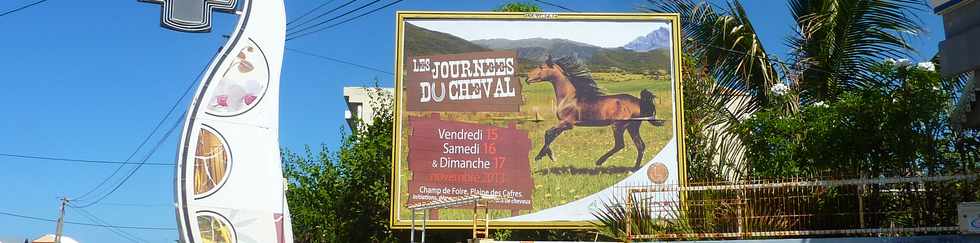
column 629, row 223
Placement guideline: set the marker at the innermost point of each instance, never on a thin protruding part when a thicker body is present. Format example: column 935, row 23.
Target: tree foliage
column 833, row 51
column 896, row 126
column 834, row 108
column 837, row 43
column 518, row 7
column 344, row 196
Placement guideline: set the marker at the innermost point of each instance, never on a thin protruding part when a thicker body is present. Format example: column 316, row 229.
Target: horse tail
column 647, row 108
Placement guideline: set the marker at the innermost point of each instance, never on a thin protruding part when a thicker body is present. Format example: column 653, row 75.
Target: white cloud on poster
column 606, row 34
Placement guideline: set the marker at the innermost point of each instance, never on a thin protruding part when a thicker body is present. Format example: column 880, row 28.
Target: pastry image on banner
column 215, row 229
column 211, row 162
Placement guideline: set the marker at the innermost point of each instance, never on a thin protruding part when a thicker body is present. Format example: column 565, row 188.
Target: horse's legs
column 634, row 129
column 549, row 136
column 618, row 129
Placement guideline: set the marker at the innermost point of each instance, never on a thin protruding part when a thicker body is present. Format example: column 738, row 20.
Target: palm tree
column 835, row 44
column 838, row 41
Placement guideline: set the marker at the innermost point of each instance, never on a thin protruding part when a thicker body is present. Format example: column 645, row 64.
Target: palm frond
column 837, row 42
column 725, row 43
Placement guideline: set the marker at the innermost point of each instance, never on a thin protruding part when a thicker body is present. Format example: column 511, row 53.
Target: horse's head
column 547, row 71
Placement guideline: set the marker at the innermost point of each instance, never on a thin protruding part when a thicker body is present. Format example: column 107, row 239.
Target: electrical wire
column 119, row 232
column 83, row 224
column 338, row 60
column 141, row 205
column 21, row 8
column 132, row 172
column 309, row 12
column 325, row 14
column 345, row 21
column 331, row 19
column 22, row 156
column 187, row 90
column 555, row 5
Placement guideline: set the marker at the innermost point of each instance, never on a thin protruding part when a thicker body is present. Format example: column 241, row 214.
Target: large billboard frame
column 399, row 105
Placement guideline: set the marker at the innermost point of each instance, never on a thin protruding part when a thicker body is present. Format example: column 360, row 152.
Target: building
column 359, row 104
column 49, row 238
column 959, row 54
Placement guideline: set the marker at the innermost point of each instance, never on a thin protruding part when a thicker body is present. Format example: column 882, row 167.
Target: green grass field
column 574, row 174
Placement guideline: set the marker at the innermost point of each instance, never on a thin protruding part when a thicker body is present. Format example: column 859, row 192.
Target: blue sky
column 89, row 79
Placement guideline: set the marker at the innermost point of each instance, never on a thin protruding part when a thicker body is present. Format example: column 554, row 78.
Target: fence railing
column 892, row 206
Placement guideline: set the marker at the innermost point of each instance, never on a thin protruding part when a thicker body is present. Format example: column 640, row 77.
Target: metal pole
column 425, row 216
column 412, row 235
column 61, row 220
column 861, row 203
column 474, row 219
column 486, row 216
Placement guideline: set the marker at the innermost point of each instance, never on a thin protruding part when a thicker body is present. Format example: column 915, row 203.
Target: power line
column 146, row 139
column 324, row 14
column 345, row 21
column 116, row 231
column 332, row 19
column 338, row 60
column 22, row 8
column 132, row 172
column 142, row 205
column 309, row 12
column 555, row 5
column 79, row 160
column 84, row 224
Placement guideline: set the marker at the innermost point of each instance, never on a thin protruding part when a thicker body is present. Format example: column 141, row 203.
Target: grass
column 574, row 174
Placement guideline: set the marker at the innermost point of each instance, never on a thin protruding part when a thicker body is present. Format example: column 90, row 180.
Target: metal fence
column 895, row 206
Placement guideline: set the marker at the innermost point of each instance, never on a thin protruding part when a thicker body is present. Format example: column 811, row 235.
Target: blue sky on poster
column 598, row 33
column 89, row 79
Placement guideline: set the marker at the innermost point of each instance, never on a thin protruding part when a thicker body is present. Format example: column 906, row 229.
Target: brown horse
column 579, row 102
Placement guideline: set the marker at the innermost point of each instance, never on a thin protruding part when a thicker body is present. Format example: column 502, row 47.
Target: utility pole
column 61, row 220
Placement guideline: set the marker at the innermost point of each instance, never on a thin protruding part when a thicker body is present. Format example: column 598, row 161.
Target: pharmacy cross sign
column 191, row 15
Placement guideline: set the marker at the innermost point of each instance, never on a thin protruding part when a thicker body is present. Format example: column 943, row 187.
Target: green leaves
column 344, row 196
column 896, row 127
column 838, row 42
column 724, row 43
column 615, row 216
column 518, row 7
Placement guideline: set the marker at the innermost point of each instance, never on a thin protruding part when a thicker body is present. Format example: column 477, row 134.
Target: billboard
column 557, row 111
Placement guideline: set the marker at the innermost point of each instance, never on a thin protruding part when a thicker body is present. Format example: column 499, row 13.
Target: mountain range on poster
column 635, row 56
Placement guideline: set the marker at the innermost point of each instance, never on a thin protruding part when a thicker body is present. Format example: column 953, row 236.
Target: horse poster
column 537, row 108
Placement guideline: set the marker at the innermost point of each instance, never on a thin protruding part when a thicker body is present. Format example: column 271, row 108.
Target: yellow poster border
column 402, row 16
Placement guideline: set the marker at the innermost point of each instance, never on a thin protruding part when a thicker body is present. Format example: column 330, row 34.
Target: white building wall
column 359, row 104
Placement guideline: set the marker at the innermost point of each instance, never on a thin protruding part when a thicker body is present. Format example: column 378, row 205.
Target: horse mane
column 580, row 77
